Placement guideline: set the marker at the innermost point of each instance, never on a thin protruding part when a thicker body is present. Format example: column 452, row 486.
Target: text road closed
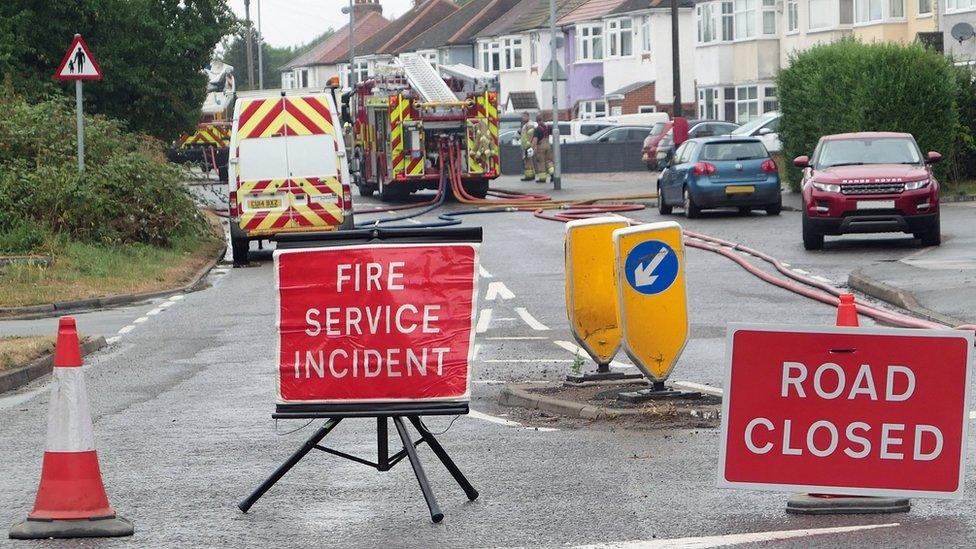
column 846, row 410
column 375, row 323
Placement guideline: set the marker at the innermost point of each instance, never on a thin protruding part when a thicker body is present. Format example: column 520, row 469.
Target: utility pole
column 250, row 51
column 352, row 43
column 260, row 51
column 675, row 60
column 557, row 183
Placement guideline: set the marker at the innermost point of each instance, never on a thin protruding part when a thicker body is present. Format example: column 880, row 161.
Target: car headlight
column 914, row 185
column 826, row 187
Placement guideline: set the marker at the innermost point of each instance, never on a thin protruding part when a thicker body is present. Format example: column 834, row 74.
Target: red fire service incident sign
column 848, row 411
column 376, row 322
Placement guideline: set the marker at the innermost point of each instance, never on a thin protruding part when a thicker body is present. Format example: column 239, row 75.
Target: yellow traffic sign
column 652, row 299
column 591, row 287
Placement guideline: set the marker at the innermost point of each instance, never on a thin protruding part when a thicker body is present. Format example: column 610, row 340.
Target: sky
column 296, row 22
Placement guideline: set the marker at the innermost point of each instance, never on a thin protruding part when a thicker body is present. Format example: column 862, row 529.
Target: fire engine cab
column 416, row 129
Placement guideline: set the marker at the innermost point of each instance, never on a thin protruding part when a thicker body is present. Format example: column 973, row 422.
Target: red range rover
column 869, row 182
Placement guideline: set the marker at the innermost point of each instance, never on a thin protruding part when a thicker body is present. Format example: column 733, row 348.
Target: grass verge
column 85, row 271
column 21, row 351
column 959, row 189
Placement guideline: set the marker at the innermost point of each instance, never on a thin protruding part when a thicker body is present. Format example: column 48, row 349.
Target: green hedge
column 850, row 86
column 128, row 193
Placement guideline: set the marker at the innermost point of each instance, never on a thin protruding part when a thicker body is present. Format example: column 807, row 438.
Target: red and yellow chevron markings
column 302, row 209
column 284, row 116
column 207, row 134
column 398, row 108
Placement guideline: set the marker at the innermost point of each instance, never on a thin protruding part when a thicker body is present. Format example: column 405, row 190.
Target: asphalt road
column 182, row 405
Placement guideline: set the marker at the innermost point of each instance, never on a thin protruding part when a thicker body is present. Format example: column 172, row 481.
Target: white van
column 640, row 119
column 288, row 167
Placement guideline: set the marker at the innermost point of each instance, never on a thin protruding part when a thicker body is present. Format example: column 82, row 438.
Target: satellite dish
column 962, row 31
column 597, row 82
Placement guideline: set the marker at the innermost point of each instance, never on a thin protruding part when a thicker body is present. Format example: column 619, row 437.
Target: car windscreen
column 749, row 127
column 658, row 128
column 881, row 150
column 734, row 150
column 590, row 129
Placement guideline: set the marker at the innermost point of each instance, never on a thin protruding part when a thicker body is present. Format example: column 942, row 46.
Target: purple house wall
column 580, row 76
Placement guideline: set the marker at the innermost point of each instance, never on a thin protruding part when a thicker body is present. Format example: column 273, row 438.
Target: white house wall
column 661, row 55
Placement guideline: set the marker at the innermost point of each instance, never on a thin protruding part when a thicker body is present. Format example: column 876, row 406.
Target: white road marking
column 474, row 353
column 497, row 318
column 165, row 304
column 972, row 414
column 155, row 311
column 733, row 539
column 483, row 272
column 500, row 382
column 526, row 360
column 516, row 338
column 140, row 320
column 126, row 329
column 475, row 414
column 575, row 349
column 707, row 389
column 498, row 289
column 529, row 319
column 176, row 297
column 484, row 319
column 111, row 340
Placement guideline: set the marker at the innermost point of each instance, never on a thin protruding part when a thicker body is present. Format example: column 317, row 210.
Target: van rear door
column 314, row 164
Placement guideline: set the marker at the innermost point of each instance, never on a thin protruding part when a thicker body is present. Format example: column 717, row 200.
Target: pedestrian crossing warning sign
column 78, row 63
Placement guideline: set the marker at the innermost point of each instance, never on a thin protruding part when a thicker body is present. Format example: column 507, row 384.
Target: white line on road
column 498, row 289
column 529, row 319
column 575, row 349
column 155, row 311
column 165, row 304
column 484, row 319
column 483, row 272
column 474, row 352
column 475, row 414
column 516, row 338
column 526, row 360
column 111, row 340
column 140, row 320
column 733, row 539
column 176, row 297
column 972, row 414
column 126, row 329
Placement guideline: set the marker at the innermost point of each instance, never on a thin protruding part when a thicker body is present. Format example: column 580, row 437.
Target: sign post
column 846, row 411
column 652, row 301
column 79, row 65
column 591, row 294
column 376, row 324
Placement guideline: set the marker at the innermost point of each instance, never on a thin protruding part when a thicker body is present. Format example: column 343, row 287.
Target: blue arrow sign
column 651, row 267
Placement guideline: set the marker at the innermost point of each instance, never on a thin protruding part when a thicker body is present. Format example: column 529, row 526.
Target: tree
column 235, row 54
column 151, row 51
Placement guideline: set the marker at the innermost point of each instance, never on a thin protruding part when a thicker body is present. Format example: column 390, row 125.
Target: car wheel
column 366, row 190
column 933, row 235
column 239, row 245
column 776, row 207
column 812, row 240
column 662, row 208
column 691, row 209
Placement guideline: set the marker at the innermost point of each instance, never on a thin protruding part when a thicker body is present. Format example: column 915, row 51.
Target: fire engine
column 412, row 128
column 208, row 144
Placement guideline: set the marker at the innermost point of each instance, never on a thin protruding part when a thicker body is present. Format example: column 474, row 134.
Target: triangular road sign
column 78, row 63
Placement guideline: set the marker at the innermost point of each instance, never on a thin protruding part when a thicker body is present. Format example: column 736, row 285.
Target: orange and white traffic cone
column 71, row 500
column 847, row 311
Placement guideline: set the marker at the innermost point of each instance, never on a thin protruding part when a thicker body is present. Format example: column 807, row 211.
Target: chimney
column 363, row 7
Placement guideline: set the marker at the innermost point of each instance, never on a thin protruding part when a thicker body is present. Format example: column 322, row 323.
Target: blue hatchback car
column 719, row 172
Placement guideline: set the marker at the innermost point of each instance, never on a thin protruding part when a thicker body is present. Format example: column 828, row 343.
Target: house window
column 867, row 11
column 959, row 5
column 490, row 56
column 925, row 7
column 708, row 103
column 646, row 33
column 301, row 78
column 616, row 111
column 769, row 16
column 896, row 9
column 792, row 15
column 592, row 109
column 287, row 80
column 620, row 37
column 728, row 21
column 511, row 53
column 362, row 71
column 706, row 23
column 846, row 12
column 821, row 14
column 729, row 104
column 745, row 18
column 643, row 109
column 534, row 49
column 589, row 46
column 769, row 99
column 746, row 103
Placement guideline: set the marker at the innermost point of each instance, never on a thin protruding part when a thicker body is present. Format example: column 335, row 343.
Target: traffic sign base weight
column 108, row 527
column 811, row 504
column 657, row 392
column 384, row 461
column 602, row 375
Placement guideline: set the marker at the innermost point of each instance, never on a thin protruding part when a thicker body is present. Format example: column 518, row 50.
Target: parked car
column 766, row 128
column 717, row 172
column 654, row 137
column 869, row 182
column 581, row 130
column 509, row 137
column 696, row 128
column 639, row 119
column 620, row 134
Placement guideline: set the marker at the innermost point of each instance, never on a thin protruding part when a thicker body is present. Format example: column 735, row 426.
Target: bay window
column 959, row 5
column 589, row 42
column 746, row 103
column 728, row 21
column 745, row 18
column 490, row 56
column 925, row 7
column 592, row 109
column 821, row 14
column 769, row 17
column 620, row 37
column 792, row 15
column 872, row 11
column 706, row 23
column 511, row 53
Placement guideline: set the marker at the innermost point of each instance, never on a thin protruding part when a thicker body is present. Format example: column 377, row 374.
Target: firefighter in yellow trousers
column 525, row 138
column 542, row 151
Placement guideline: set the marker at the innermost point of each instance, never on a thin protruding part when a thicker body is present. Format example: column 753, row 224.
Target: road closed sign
column 846, row 411
column 375, row 323
column 651, row 295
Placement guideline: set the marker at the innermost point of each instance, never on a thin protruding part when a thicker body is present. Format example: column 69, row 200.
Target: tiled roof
column 628, row 6
column 528, row 15
column 489, row 15
column 631, row 87
column 460, row 25
column 406, row 27
column 589, row 11
column 335, row 49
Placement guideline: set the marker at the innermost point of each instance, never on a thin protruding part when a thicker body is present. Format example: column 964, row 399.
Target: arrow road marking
column 644, row 276
column 529, row 319
column 484, row 319
column 498, row 289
